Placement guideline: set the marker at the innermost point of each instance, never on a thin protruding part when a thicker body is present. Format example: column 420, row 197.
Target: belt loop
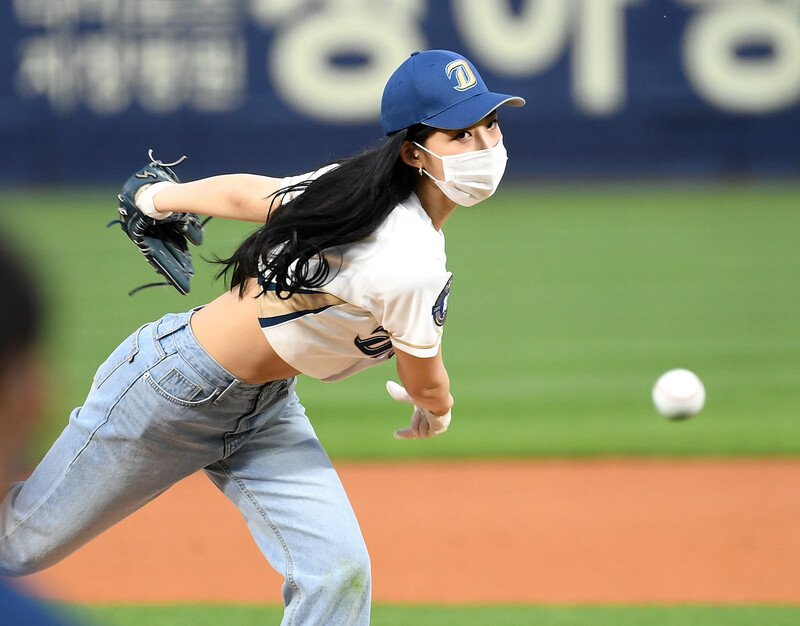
column 166, row 327
column 227, row 390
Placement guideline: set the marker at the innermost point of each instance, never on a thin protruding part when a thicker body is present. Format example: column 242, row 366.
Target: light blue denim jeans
column 159, row 409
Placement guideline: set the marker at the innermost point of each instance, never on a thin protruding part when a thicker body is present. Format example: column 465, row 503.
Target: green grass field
column 214, row 615
column 567, row 304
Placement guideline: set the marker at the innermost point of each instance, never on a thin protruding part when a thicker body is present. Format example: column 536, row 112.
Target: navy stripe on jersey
column 273, row 310
column 274, row 320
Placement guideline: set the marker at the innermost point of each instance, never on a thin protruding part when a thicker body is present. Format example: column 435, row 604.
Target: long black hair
column 343, row 206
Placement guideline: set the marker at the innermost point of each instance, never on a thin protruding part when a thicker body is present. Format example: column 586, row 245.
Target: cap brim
column 469, row 112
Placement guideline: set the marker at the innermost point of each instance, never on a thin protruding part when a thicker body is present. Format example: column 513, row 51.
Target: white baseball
column 679, row 394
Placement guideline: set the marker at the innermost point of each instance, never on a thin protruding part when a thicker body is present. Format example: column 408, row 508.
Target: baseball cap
column 438, row 88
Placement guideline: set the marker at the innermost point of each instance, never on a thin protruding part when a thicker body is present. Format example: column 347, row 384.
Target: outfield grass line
column 469, row 615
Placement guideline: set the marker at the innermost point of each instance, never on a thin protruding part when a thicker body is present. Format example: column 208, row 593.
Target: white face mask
column 472, row 176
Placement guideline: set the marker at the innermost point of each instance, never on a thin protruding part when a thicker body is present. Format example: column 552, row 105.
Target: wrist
column 443, row 409
column 145, row 200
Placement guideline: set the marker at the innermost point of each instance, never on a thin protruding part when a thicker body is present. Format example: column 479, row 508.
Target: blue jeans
column 159, row 409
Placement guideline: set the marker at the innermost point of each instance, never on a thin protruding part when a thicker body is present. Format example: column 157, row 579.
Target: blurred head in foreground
column 20, row 319
column 20, row 389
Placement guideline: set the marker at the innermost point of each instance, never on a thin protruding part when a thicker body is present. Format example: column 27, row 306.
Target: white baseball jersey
column 388, row 292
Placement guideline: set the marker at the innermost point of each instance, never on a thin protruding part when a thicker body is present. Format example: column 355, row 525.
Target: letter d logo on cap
column 463, row 73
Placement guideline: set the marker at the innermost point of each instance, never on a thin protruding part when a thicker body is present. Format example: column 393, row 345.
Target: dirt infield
column 593, row 531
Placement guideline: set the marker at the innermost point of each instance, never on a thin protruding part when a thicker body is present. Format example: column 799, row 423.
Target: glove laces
column 155, row 161
column 140, row 287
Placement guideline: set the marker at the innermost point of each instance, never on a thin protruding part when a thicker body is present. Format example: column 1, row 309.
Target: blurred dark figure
column 20, row 390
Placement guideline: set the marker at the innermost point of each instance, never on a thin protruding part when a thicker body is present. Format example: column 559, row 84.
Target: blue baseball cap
column 438, row 88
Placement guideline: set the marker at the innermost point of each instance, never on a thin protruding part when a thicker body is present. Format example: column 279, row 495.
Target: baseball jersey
column 387, row 292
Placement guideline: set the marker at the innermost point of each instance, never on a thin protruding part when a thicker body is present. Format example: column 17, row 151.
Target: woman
column 348, row 270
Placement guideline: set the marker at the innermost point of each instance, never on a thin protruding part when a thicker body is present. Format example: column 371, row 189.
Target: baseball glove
column 163, row 242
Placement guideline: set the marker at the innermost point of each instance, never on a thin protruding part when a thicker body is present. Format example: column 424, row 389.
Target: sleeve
column 293, row 180
column 414, row 311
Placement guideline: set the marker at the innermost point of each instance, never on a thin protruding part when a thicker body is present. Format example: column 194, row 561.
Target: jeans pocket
column 124, row 353
column 178, row 388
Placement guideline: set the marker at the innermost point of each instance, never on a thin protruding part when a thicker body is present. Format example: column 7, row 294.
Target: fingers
column 438, row 423
column 414, row 431
column 405, row 433
column 194, row 229
column 187, row 225
column 170, row 262
column 398, row 392
column 423, row 423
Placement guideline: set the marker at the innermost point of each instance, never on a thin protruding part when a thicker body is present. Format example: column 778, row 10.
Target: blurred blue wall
column 614, row 87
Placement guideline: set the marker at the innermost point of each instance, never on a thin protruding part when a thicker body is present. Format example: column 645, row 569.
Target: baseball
column 679, row 394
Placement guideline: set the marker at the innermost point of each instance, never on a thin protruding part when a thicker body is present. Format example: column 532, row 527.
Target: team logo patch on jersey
column 377, row 344
column 440, row 308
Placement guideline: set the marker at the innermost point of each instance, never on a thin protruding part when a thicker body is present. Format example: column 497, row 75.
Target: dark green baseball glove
column 163, row 242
